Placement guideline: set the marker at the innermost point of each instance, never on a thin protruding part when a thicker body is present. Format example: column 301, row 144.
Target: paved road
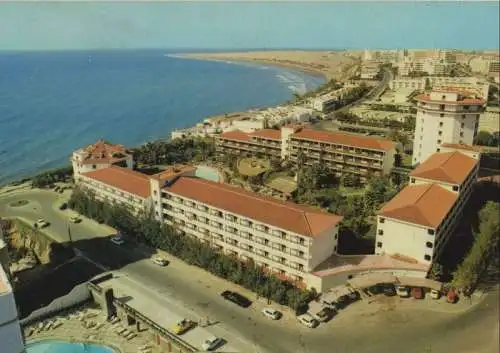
column 391, row 331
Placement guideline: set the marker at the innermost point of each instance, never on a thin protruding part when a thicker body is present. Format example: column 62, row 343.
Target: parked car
column 160, row 261
column 389, row 290
column 117, row 240
column 41, row 223
column 183, row 326
column 75, row 219
column 323, row 315
column 403, row 292
column 308, row 321
column 212, row 343
column 63, row 206
column 417, row 293
column 271, row 313
column 236, row 298
column 435, row 294
column 329, row 303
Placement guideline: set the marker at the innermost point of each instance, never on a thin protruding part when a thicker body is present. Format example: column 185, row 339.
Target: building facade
column 288, row 239
column 11, row 337
column 342, row 153
column 421, row 219
column 118, row 185
column 473, row 84
column 100, row 155
column 445, row 116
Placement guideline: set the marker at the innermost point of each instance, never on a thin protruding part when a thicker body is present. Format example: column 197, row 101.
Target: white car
column 117, row 240
column 75, row 219
column 160, row 261
column 41, row 223
column 403, row 292
column 211, row 343
column 308, row 320
column 271, row 313
column 435, row 294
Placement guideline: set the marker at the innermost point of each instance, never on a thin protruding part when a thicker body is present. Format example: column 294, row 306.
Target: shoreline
column 258, row 62
column 200, row 56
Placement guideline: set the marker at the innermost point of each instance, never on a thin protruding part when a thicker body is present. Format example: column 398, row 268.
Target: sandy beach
column 326, row 63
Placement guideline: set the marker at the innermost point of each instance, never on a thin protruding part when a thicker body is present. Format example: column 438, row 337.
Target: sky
column 248, row 25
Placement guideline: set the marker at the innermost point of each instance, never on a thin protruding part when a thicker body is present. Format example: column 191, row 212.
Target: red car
column 417, row 293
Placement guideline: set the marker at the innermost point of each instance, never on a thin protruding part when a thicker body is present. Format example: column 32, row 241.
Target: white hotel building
column 445, row 116
column 11, row 338
column 419, row 220
column 100, row 155
column 288, row 239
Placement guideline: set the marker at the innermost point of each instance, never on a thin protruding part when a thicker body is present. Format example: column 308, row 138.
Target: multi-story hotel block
column 11, row 337
column 445, row 116
column 288, row 239
column 266, row 142
column 420, row 220
column 342, row 153
column 100, row 155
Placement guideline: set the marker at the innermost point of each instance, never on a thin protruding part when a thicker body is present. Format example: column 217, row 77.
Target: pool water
column 66, row 347
column 207, row 173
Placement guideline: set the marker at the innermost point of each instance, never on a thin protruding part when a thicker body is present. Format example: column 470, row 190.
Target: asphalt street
column 391, row 331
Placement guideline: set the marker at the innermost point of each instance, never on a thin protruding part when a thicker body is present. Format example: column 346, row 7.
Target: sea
column 52, row 103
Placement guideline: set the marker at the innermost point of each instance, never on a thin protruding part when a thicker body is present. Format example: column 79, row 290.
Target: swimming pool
column 207, row 173
column 54, row 346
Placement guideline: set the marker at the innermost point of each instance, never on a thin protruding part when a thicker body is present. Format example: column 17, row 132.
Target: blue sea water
column 66, row 347
column 52, row 103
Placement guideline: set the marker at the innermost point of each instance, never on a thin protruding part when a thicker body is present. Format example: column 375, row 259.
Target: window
column 439, row 141
column 443, row 97
column 427, row 257
column 381, row 220
column 441, row 123
column 380, row 232
column 461, row 134
column 301, row 241
column 93, row 166
column 379, row 244
column 430, row 231
column 462, row 125
column 334, row 249
column 441, row 115
column 463, row 116
column 440, row 133
column 455, row 188
column 438, row 149
column 429, row 244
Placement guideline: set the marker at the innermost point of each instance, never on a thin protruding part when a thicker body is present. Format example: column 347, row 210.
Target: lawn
column 282, row 183
column 253, row 166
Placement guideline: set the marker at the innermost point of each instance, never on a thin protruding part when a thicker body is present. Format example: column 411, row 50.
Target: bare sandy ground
column 326, row 63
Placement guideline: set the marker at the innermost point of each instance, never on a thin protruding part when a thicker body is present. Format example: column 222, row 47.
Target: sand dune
column 327, row 63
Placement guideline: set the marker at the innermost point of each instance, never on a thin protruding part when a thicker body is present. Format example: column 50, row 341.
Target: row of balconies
column 241, row 234
column 295, row 145
column 233, row 219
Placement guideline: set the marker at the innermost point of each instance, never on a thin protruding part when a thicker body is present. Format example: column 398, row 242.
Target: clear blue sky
column 218, row 25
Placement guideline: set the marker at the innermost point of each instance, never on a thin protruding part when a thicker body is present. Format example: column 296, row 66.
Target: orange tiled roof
column 235, row 135
column 345, row 139
column 172, row 172
column 299, row 219
column 102, row 152
column 268, row 134
column 426, row 204
column 462, row 146
column 427, row 98
column 448, row 167
column 124, row 179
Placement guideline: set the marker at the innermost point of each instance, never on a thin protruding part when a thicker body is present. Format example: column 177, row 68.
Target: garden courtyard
column 251, row 167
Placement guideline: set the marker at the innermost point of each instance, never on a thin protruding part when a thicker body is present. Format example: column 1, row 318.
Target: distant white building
column 100, row 155
column 445, row 116
column 477, row 85
column 11, row 337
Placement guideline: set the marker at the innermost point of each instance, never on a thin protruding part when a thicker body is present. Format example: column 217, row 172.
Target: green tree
column 485, row 246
